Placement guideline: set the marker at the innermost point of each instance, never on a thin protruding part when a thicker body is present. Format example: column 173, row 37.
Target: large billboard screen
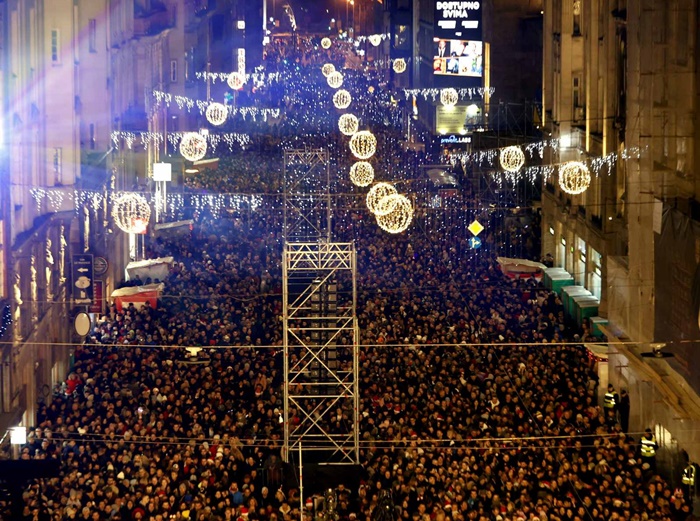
column 459, row 58
column 458, row 39
column 455, row 20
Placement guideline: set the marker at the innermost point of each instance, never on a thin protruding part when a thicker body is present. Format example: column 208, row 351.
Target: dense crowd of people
column 476, row 402
column 453, row 424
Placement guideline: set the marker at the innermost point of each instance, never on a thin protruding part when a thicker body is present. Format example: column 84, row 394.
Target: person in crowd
column 623, row 409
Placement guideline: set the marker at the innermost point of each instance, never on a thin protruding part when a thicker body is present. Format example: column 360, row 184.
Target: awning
column 138, row 295
column 152, row 268
column 521, row 268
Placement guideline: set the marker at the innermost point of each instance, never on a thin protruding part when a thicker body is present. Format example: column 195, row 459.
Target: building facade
column 620, row 92
column 73, row 75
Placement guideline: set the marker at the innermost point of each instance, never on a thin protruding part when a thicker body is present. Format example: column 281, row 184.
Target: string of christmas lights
column 258, row 78
column 232, row 139
column 596, row 164
column 217, row 204
column 184, row 102
column 374, row 39
column 490, row 157
column 434, row 94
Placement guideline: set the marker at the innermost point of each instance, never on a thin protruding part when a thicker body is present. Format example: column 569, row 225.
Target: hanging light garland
column 376, row 193
column 363, row 144
column 399, row 218
column 217, row 113
column 361, row 173
column 449, row 97
column 131, row 213
column 193, row 146
column 470, row 92
column 399, row 65
column 348, row 124
column 327, row 69
column 574, row 177
column 326, row 43
column 512, row 158
column 375, row 39
column 342, row 99
column 185, row 103
column 236, row 80
column 335, row 79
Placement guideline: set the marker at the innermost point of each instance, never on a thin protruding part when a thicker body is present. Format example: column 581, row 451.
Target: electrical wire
column 278, row 347
column 443, row 443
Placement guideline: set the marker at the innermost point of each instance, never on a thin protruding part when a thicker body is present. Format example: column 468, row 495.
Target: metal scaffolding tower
column 307, row 196
column 321, row 398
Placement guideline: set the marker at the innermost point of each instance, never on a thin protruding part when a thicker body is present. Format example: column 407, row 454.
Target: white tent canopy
column 154, row 268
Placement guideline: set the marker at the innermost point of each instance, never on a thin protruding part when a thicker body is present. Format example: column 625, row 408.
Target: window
column 189, row 64
column 55, row 46
column 402, row 37
column 561, row 253
column 580, row 274
column 93, row 137
column 576, row 91
column 173, row 71
column 58, row 166
column 577, row 17
column 92, row 37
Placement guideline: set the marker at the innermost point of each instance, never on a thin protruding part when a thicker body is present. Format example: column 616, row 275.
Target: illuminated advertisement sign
column 455, row 140
column 458, row 42
column 455, row 20
column 459, row 58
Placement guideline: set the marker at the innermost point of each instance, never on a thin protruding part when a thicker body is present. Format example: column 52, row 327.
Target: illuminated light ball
column 327, row 69
column 362, row 173
column 512, row 159
column 399, row 218
column 326, row 43
column 216, row 113
column 371, row 89
column 342, row 99
column 348, row 124
column 376, row 193
column 335, row 79
column 574, row 177
column 399, row 65
column 193, row 146
column 363, row 144
column 131, row 213
column 236, row 80
column 449, row 97
column 375, row 39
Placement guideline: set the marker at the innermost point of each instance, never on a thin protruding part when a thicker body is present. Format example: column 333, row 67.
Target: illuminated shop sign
column 455, row 140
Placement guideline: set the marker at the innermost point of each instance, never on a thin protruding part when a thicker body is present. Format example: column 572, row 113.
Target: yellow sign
column 476, row 228
column 450, row 120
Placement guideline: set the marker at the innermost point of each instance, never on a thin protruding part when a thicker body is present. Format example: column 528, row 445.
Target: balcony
column 152, row 19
